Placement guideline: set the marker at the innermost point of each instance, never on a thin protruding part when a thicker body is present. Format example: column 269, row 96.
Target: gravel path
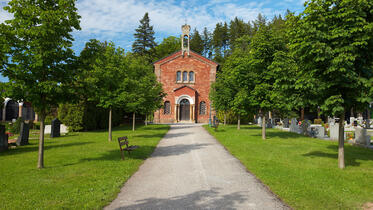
column 189, row 169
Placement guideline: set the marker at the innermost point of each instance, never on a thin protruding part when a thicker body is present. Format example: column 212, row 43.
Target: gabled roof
column 178, row 54
column 176, row 89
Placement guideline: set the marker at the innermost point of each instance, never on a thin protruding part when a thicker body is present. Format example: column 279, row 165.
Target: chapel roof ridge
column 180, row 51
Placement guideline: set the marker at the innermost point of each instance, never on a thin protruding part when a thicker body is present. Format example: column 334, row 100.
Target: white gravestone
column 361, row 136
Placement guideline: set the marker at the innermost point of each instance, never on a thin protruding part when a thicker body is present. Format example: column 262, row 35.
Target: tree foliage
column 144, row 43
column 38, row 56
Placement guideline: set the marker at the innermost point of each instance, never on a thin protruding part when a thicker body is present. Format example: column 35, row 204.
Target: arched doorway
column 184, row 110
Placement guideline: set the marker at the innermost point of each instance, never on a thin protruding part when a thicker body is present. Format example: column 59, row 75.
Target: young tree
column 39, row 54
column 334, row 42
column 263, row 47
column 144, row 43
column 107, row 77
column 143, row 92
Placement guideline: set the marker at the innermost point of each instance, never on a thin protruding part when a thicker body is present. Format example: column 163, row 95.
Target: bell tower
column 185, row 37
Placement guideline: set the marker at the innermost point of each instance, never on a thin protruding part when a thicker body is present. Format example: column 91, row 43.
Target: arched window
column 202, row 108
column 178, row 76
column 185, row 76
column 167, row 107
column 191, row 76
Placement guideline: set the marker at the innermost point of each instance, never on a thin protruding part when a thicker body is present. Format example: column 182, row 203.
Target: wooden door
column 184, row 110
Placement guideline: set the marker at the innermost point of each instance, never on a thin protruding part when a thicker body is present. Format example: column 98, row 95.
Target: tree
column 106, row 79
column 263, row 47
column 143, row 92
column 39, row 54
column 237, row 29
column 144, row 43
column 196, row 42
column 169, row 45
column 207, row 48
column 334, row 43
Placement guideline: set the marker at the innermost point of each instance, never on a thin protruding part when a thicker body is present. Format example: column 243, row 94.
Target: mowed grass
column 82, row 170
column 302, row 171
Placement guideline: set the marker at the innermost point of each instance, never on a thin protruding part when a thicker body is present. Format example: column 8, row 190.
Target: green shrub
column 71, row 115
column 15, row 127
column 86, row 116
column 318, row 121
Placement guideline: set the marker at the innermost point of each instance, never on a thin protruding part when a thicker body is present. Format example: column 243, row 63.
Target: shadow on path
column 204, row 199
column 176, row 149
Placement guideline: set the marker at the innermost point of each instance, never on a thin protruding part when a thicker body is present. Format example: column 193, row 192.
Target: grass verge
column 83, row 170
column 302, row 171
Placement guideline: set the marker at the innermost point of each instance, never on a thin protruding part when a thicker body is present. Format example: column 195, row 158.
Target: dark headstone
column 3, row 139
column 355, row 123
column 55, row 128
column 286, row 123
column 24, row 134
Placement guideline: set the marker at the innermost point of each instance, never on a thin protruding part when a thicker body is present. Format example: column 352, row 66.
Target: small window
column 167, row 107
column 178, row 76
column 191, row 76
column 202, row 108
column 185, row 76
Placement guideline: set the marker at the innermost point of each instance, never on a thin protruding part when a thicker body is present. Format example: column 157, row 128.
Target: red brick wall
column 204, row 74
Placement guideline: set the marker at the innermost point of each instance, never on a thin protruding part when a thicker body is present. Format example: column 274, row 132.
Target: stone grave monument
column 286, row 123
column 55, row 128
column 294, row 127
column 361, row 136
column 24, row 134
column 3, row 139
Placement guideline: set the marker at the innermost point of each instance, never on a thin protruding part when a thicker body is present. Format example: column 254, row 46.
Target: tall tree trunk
column 146, row 120
column 341, row 153
column 318, row 112
column 264, row 127
column 368, row 118
column 110, row 115
column 239, row 122
column 133, row 121
column 225, row 118
column 41, row 142
column 302, row 114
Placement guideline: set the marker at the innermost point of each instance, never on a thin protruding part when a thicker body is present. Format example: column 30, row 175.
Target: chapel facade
column 186, row 78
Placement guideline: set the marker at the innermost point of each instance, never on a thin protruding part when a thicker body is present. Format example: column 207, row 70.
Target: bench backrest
column 123, row 141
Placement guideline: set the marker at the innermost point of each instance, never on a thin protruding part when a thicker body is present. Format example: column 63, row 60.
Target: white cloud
column 118, row 19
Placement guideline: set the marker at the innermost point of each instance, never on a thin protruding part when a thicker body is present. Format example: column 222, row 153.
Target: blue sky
column 116, row 20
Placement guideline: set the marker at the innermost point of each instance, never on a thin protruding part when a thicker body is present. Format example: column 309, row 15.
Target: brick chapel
column 186, row 78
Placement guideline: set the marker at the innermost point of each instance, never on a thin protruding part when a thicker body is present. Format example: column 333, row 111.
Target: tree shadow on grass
column 352, row 154
column 281, row 134
column 203, row 199
column 33, row 147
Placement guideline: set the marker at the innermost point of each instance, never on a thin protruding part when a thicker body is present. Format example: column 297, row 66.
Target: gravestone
column 3, row 139
column 352, row 119
column 286, row 123
column 355, row 123
column 361, row 136
column 317, row 131
column 269, row 124
column 305, row 127
column 55, row 128
column 294, row 127
column 334, row 132
column 260, row 121
column 24, row 134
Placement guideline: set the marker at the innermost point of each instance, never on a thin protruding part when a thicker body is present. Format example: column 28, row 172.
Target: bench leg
column 122, row 154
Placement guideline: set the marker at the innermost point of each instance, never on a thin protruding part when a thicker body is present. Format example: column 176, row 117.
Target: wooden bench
column 124, row 141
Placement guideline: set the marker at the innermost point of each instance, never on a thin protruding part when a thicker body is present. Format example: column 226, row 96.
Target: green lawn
column 82, row 170
column 300, row 170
